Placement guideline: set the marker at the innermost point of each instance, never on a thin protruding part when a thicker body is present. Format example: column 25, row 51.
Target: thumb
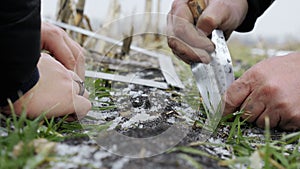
column 212, row 18
column 82, row 106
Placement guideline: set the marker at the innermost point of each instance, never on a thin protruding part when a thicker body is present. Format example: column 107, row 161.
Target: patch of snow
column 119, row 164
column 171, row 120
column 138, row 118
column 115, row 123
column 73, row 156
column 3, row 132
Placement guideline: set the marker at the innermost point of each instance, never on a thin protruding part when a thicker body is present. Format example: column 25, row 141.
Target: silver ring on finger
column 81, row 87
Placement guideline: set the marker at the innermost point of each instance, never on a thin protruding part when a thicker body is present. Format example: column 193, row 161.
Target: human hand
column 193, row 45
column 56, row 93
column 270, row 88
column 64, row 49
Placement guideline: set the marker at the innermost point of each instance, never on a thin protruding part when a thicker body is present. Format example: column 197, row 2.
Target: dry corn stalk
column 113, row 13
column 79, row 12
column 127, row 43
column 157, row 37
column 73, row 13
column 151, row 24
column 66, row 11
column 79, row 19
column 147, row 22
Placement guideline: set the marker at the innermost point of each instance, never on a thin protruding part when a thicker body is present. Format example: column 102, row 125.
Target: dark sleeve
column 255, row 9
column 20, row 26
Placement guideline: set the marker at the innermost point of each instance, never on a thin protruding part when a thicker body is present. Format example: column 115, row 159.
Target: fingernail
column 205, row 59
column 211, row 48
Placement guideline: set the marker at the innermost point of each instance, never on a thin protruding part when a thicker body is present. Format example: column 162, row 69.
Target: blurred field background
column 276, row 32
column 54, row 143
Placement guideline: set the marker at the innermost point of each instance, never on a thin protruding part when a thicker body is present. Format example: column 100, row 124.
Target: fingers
column 56, row 92
column 211, row 20
column 64, row 55
column 188, row 43
column 187, row 53
column 273, row 115
column 52, row 38
column 223, row 15
column 292, row 124
column 184, row 29
column 266, row 91
column 80, row 102
column 252, row 108
column 181, row 10
column 212, row 17
column 252, row 103
column 77, row 88
column 65, row 49
column 239, row 96
column 78, row 54
column 82, row 105
column 236, row 94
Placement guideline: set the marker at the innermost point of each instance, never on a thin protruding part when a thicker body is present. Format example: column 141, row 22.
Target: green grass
column 265, row 152
column 19, row 149
column 246, row 152
column 24, row 132
column 21, row 132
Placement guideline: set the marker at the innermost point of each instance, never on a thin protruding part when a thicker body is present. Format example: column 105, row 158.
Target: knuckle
column 230, row 99
column 283, row 105
column 270, row 90
column 290, row 121
column 239, row 86
column 56, row 32
column 72, row 62
column 260, row 123
column 81, row 58
column 210, row 22
column 172, row 42
column 175, row 5
column 252, row 74
column 179, row 29
column 57, row 29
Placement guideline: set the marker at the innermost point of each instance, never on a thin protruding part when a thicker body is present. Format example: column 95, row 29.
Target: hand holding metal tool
column 214, row 78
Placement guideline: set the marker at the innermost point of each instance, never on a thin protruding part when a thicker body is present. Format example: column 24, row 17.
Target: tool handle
column 196, row 7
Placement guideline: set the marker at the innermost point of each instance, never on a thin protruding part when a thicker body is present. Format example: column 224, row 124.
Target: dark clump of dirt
column 150, row 129
column 76, row 140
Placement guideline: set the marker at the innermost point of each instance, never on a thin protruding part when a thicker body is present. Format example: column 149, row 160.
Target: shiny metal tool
column 214, row 78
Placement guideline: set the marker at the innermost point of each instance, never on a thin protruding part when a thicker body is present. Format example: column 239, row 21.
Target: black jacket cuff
column 25, row 87
column 255, row 9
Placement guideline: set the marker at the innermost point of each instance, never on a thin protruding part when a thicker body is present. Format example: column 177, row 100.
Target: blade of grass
column 267, row 152
column 191, row 161
column 193, row 151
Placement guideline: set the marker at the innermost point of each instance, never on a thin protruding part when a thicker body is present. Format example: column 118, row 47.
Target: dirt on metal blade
column 214, row 78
